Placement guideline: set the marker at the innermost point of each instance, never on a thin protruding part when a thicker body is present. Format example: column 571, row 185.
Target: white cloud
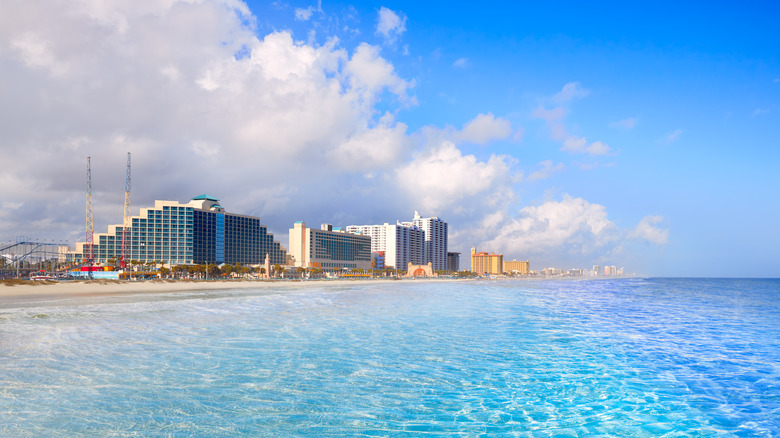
column 370, row 73
column 627, row 124
column 554, row 118
column 37, row 52
column 570, row 230
column 673, row 135
column 485, row 128
column 390, row 25
column 371, row 149
column 760, row 111
column 579, row 145
column 648, row 230
column 443, row 176
column 461, row 63
column 548, row 168
column 598, row 148
column 574, row 144
column 165, row 78
column 571, row 226
column 304, row 14
column 570, row 92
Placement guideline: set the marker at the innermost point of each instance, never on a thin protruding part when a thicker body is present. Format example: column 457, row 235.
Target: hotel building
column 521, row 267
column 484, row 263
column 401, row 244
column 198, row 232
column 435, row 245
column 329, row 248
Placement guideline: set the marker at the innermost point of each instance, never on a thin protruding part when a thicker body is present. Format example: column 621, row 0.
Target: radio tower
column 127, row 221
column 89, row 250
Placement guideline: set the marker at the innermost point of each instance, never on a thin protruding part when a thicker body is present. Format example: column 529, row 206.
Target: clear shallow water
column 626, row 357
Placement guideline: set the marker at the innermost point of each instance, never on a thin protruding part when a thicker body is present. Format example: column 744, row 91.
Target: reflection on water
column 627, row 357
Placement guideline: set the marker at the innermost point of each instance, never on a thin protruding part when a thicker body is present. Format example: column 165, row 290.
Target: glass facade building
column 198, row 232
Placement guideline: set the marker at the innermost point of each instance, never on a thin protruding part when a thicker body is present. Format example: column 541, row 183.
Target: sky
column 569, row 134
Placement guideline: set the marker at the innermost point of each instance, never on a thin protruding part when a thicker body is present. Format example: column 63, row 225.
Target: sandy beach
column 112, row 287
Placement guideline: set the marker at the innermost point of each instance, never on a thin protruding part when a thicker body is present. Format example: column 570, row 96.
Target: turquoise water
column 623, row 357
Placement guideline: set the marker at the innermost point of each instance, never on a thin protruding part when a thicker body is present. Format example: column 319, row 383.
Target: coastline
column 94, row 288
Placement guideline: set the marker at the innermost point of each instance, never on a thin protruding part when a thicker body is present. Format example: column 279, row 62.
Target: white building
column 401, row 244
column 329, row 248
column 435, row 240
column 421, row 241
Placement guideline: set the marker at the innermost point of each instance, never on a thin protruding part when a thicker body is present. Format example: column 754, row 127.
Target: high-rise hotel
column 401, row 244
column 197, row 232
column 420, row 241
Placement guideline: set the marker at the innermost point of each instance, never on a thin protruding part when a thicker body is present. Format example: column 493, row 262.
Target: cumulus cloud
column 648, row 230
column 442, row 176
column 164, row 81
column 390, row 25
column 579, row 145
column 627, row 124
column 571, row 225
column 274, row 127
column 485, row 128
column 569, row 92
column 570, row 229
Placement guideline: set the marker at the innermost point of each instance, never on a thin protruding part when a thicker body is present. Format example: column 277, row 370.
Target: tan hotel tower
column 484, row 263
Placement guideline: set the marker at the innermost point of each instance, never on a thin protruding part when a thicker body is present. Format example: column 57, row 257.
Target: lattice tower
column 89, row 250
column 127, row 220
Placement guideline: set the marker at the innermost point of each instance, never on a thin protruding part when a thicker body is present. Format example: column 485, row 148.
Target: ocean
column 638, row 357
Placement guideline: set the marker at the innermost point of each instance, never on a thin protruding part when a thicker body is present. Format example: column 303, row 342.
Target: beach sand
column 81, row 288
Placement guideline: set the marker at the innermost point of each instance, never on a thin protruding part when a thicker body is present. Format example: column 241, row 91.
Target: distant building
column 435, row 240
column 329, row 248
column 453, row 261
column 596, row 270
column 521, row 267
column 484, row 263
column 420, row 270
column 377, row 260
column 198, row 232
column 401, row 244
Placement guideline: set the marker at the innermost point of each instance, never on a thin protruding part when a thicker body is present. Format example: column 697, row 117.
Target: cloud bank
column 274, row 127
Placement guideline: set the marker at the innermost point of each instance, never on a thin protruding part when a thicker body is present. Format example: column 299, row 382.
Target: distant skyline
column 570, row 135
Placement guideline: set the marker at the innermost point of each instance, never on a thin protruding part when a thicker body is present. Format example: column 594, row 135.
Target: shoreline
column 94, row 288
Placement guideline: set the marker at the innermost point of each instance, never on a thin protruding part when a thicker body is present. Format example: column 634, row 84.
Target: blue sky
column 643, row 136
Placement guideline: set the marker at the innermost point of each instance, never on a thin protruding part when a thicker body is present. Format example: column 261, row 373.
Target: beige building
column 484, row 263
column 522, row 267
column 329, row 248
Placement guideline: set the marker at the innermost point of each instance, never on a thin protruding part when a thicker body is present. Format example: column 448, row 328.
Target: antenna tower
column 89, row 250
column 127, row 221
